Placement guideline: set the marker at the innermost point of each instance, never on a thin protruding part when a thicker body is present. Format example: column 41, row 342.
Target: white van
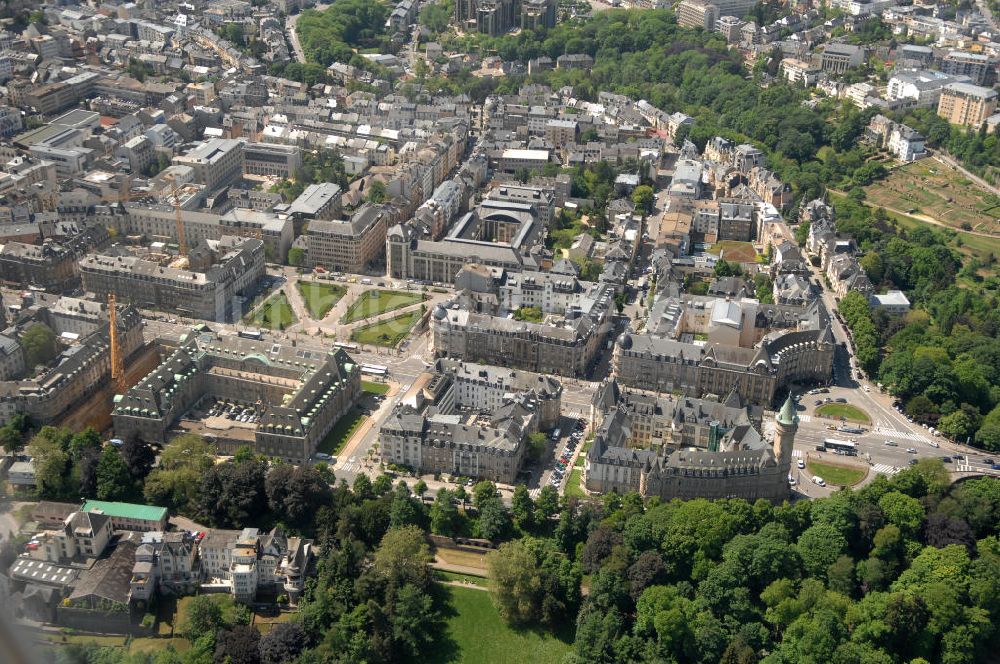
column 819, row 480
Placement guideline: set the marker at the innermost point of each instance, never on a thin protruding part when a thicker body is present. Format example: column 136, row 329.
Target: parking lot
column 567, row 445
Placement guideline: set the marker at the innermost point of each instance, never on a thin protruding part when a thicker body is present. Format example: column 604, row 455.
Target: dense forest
column 905, row 570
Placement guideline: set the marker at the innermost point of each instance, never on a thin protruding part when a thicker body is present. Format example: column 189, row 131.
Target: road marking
column 905, row 435
column 797, row 454
column 885, row 469
column 805, row 419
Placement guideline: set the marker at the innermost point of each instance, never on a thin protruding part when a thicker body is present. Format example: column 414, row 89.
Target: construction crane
column 117, row 361
column 181, row 240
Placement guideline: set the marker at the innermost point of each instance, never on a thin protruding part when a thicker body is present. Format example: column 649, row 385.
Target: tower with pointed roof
column 785, row 426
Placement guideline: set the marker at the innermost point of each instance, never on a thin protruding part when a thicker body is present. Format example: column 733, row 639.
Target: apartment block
column 967, row 104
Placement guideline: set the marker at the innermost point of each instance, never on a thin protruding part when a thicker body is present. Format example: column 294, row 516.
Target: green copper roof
column 125, row 510
column 787, row 415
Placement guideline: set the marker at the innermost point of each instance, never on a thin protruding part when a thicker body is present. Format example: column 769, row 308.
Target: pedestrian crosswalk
column 797, row 454
column 885, row 469
column 904, row 435
column 805, row 419
column 351, row 465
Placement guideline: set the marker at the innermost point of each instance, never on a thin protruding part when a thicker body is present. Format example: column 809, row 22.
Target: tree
column 403, row 557
column 204, row 616
column 233, row 494
column 494, row 520
column 382, row 485
column 547, row 503
column 113, row 479
column 85, row 473
column 420, row 488
column 515, row 582
column 404, row 510
column 435, row 16
column 39, row 344
column 376, row 193
column 88, row 439
column 362, row 487
column 295, row 493
column 296, row 256
column 283, row 643
column 444, row 515
column 643, row 199
column 482, row 492
column 53, row 465
column 647, row 569
column 902, row 511
column 138, row 458
column 723, row 268
column 819, row 546
column 11, row 439
column 523, row 508
column 238, row 645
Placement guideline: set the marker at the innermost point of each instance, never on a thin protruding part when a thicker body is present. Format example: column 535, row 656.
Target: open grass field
column 474, row 633
column 342, row 432
column 835, row 473
column 734, row 252
column 371, row 387
column 937, row 190
column 386, row 332
column 843, row 410
column 574, row 485
column 275, row 314
column 375, row 302
column 320, row 298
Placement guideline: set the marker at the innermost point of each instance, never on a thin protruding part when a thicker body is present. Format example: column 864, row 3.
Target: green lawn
column 275, row 314
column 375, row 302
column 342, row 432
column 320, row 298
column 834, row 474
column 574, row 485
column 374, row 388
column 475, row 633
column 387, row 332
column 843, row 410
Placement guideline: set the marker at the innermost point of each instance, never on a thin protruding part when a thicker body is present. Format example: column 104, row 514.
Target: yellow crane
column 181, row 240
column 117, row 361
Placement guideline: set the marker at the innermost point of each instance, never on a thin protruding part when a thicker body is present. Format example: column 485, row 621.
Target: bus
column 845, row 447
column 251, row 333
column 375, row 370
column 344, row 346
column 851, row 429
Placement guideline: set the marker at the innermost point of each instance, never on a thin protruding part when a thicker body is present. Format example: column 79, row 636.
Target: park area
column 386, row 332
column 843, row 411
column 275, row 314
column 320, row 298
column 473, row 632
column 836, row 474
column 734, row 252
column 342, row 432
column 375, row 302
column 932, row 189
